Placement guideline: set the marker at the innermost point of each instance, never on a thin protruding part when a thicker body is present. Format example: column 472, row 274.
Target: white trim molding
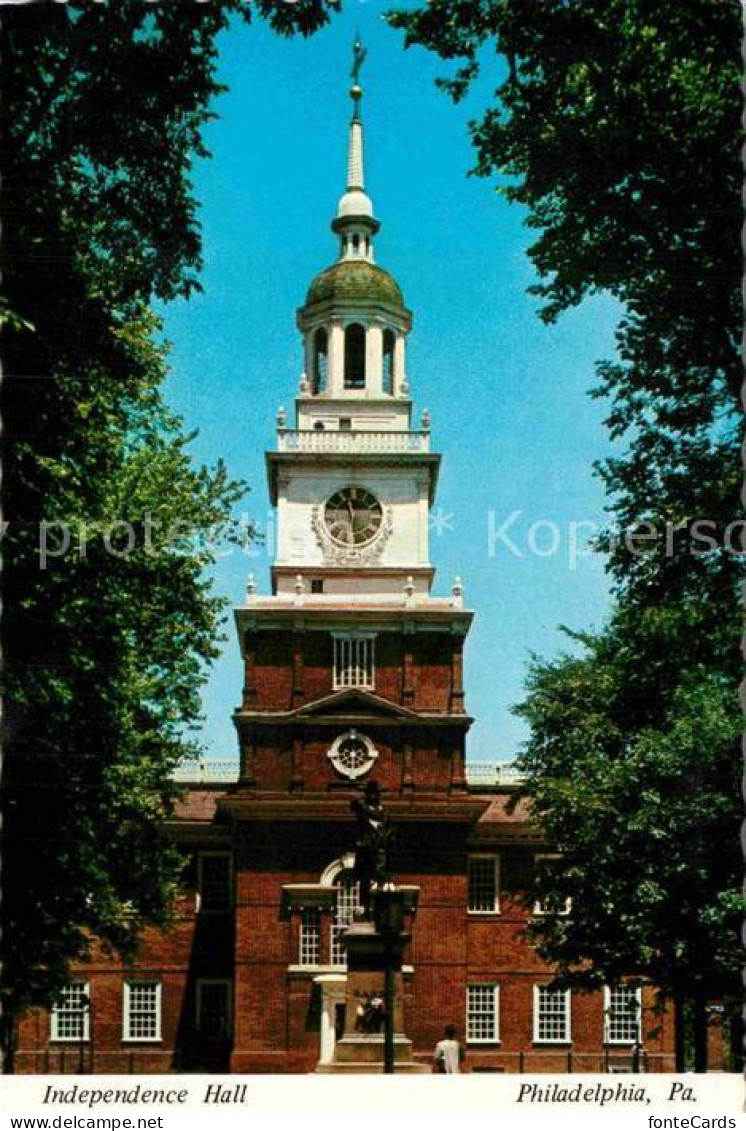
column 128, row 1012
column 492, row 907
column 565, row 1016
column 73, row 1010
column 485, row 1017
column 633, row 993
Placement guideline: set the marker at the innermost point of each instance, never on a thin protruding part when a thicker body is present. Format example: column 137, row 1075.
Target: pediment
column 354, row 702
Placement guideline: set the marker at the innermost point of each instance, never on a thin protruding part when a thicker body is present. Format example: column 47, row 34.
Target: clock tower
column 353, row 667
column 352, row 480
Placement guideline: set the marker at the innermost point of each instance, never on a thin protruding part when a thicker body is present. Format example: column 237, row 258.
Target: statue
column 370, row 1014
column 358, row 58
column 373, row 843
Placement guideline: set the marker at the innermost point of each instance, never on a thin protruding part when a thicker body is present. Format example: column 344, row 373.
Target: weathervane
column 358, row 58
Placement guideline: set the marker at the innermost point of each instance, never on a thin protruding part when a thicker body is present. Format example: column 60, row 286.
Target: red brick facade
column 284, row 823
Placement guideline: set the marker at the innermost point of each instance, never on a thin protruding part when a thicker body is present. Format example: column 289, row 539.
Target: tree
column 641, row 814
column 616, row 126
column 109, row 615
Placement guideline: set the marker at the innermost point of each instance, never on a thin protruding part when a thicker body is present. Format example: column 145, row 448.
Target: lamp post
column 389, row 908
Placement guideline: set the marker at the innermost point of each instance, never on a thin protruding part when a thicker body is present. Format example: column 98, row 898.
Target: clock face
column 353, row 516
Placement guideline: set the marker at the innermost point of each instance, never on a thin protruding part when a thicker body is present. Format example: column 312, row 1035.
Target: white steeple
column 354, row 321
column 355, row 223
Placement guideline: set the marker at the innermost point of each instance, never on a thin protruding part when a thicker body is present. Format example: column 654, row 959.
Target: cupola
column 354, row 320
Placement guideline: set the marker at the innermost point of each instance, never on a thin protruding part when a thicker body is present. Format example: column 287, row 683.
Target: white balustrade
column 333, row 441
column 492, row 773
column 477, row 773
column 207, row 771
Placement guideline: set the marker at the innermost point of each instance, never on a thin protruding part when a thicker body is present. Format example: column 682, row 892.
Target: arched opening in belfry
column 355, row 357
column 320, row 360
column 389, row 341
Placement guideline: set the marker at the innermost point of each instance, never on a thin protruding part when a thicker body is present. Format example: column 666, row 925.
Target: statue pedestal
column 361, row 1050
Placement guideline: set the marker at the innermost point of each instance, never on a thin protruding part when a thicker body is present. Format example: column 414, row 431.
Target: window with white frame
column 354, row 660
column 551, row 1015
column 214, row 881
column 214, row 1015
column 347, row 903
column 482, row 1013
column 142, row 1011
column 544, row 863
column 71, row 1014
column 483, row 884
column 622, row 1014
column 309, row 943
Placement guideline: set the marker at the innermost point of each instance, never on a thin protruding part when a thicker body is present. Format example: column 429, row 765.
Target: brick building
column 353, row 672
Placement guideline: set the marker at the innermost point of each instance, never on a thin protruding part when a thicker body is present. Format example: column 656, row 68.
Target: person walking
column 448, row 1053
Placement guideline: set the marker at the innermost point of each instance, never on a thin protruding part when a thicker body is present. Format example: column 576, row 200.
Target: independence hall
column 353, row 673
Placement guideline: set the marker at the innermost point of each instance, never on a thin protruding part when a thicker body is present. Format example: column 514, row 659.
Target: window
column 71, row 1014
column 389, row 341
column 353, row 661
column 483, row 885
column 482, row 1013
column 214, row 881
column 214, row 1015
column 355, row 357
column 348, row 902
column 320, row 361
column 345, row 423
column 310, row 937
column 622, row 1015
column 317, row 585
column 543, row 867
column 551, row 1015
column 142, row 1011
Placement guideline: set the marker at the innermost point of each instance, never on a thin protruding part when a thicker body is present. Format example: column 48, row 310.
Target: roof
column 355, row 280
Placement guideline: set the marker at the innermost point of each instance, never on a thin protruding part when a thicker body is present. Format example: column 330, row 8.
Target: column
column 296, row 764
column 298, row 694
column 399, row 364
column 458, row 768
column 249, row 686
column 408, row 671
column 457, row 676
column 374, row 358
column 308, row 359
column 407, row 765
column 336, row 358
column 248, row 768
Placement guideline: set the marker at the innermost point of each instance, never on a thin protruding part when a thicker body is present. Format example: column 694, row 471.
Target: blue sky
column 508, row 395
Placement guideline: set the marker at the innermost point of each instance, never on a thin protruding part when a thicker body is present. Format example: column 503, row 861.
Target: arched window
column 347, row 903
column 389, row 341
column 320, row 360
column 356, row 244
column 354, row 357
column 313, row 948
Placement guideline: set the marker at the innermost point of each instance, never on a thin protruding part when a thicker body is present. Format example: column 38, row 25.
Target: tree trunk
column 736, row 1042
column 679, row 1028
column 8, row 1041
column 699, row 1020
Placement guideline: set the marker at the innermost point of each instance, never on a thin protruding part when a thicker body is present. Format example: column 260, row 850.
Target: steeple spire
column 355, row 175
column 355, row 223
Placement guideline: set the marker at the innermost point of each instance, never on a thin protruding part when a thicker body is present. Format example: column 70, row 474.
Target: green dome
column 355, row 280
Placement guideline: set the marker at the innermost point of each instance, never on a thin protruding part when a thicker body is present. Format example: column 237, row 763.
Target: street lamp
column 389, row 905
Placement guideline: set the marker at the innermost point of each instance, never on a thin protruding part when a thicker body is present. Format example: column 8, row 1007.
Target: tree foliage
column 641, row 812
column 616, row 126
column 106, row 637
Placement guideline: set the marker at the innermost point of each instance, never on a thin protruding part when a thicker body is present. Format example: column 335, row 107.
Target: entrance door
column 332, row 987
